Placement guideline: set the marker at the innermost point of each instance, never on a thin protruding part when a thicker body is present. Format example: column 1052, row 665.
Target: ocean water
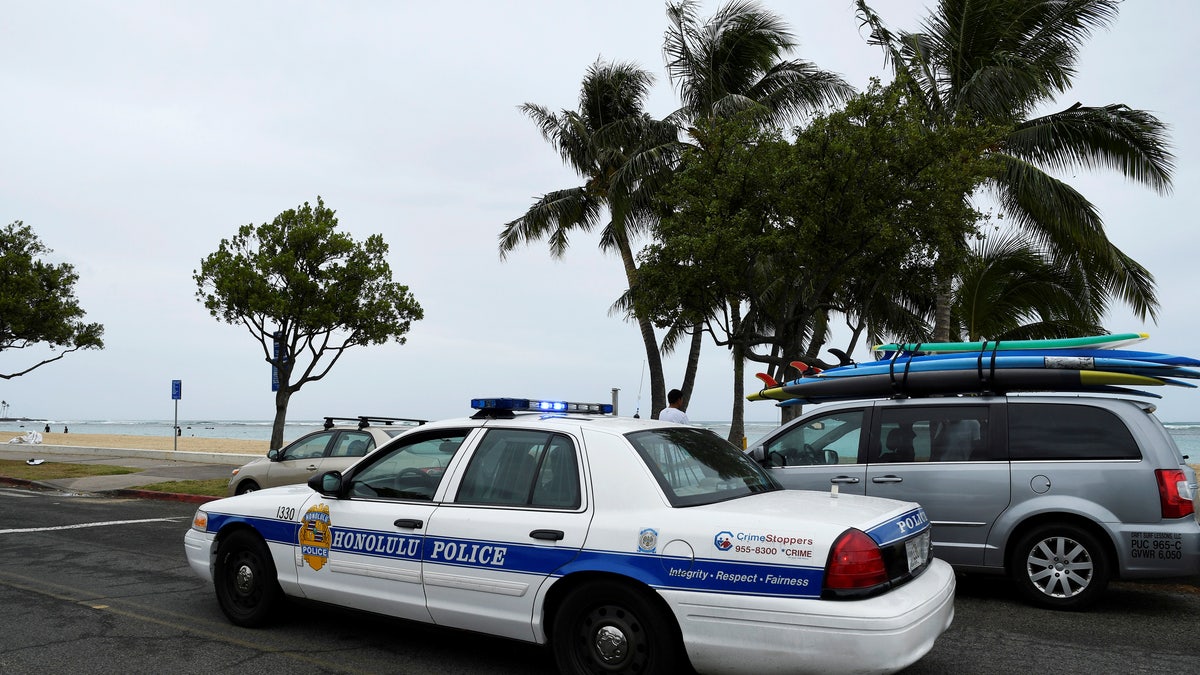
column 1186, row 434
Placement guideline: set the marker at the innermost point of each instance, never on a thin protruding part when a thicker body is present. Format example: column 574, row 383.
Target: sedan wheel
column 247, row 588
column 608, row 627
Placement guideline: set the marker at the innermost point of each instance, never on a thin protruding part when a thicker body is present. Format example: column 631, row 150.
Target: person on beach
column 47, row 428
column 674, row 410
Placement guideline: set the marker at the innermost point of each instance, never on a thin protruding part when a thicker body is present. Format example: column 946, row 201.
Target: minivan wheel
column 1060, row 566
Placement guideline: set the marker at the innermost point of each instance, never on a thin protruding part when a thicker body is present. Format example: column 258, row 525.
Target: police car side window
column 829, row 439
column 1044, row 432
column 513, row 467
column 410, row 470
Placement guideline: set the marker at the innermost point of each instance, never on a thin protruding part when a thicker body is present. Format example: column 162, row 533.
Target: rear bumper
column 883, row 634
column 1170, row 549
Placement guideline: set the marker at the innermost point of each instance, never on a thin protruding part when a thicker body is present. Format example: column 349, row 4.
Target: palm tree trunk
column 693, row 362
column 658, row 387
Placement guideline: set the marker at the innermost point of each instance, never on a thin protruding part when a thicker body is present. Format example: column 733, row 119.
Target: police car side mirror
column 328, row 483
column 758, row 454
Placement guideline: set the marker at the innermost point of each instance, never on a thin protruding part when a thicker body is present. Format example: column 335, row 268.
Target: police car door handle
column 844, row 479
column 890, row 478
column 409, row 523
column 548, row 535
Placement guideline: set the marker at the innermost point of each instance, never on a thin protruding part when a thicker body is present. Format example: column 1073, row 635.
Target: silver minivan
column 1061, row 493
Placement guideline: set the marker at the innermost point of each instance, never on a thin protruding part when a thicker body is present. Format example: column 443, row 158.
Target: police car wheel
column 1060, row 566
column 607, row 627
column 247, row 588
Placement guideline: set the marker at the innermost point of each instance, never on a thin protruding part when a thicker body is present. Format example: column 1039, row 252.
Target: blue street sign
column 176, row 389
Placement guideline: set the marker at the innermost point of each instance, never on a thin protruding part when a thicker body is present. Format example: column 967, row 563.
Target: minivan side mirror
column 758, row 454
column 273, row 454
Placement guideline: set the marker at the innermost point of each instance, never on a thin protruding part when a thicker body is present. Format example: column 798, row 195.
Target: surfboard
column 1121, row 391
column 1005, row 360
column 1093, row 341
column 930, row 383
column 1132, row 355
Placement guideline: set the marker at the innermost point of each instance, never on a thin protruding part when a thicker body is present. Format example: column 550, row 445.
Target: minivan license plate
column 918, row 549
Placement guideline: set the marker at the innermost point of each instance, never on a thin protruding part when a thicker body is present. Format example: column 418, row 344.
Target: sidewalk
column 154, row 466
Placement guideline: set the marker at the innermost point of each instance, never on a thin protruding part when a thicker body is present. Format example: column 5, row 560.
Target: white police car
column 627, row 545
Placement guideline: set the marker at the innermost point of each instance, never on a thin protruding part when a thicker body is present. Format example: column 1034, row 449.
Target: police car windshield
column 695, row 466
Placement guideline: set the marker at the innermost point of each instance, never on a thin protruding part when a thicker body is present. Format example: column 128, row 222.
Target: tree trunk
column 941, row 317
column 658, row 387
column 281, row 403
column 693, row 363
column 737, row 427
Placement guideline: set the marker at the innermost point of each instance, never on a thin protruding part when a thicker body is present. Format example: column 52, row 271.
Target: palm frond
column 552, row 217
column 1117, row 137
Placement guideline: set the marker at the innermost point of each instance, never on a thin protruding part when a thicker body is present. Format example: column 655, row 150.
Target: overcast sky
column 135, row 135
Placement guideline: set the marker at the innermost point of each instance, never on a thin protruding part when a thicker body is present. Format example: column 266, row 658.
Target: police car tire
column 1035, row 557
column 246, row 583
column 607, row 608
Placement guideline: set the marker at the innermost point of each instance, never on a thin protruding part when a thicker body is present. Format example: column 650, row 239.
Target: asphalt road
column 100, row 585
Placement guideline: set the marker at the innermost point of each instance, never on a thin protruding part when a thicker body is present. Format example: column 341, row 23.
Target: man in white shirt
column 674, row 410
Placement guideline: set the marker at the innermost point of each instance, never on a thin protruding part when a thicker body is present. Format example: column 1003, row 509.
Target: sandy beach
column 118, row 441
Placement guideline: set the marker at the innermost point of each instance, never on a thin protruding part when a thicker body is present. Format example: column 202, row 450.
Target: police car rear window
column 695, row 466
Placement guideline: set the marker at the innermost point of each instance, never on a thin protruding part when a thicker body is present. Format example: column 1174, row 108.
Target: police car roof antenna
column 638, row 408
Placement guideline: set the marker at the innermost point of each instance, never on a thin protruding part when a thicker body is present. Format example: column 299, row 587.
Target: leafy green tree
column 735, row 65
column 1001, row 61
column 765, row 240
column 315, row 288
column 38, row 307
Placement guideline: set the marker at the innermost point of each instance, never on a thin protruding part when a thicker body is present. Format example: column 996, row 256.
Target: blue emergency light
column 539, row 405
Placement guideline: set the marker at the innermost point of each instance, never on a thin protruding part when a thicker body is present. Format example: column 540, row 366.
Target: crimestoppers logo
column 723, row 541
column 314, row 536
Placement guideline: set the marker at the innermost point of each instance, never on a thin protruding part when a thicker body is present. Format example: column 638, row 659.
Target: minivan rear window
column 1047, row 432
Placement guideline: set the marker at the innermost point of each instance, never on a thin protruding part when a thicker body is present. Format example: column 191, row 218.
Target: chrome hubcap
column 611, row 644
column 244, row 580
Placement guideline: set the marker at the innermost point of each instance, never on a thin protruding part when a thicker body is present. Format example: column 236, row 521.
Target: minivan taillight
column 855, row 562
column 1173, row 493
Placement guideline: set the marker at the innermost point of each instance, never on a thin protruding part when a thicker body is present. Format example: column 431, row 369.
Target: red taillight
column 1173, row 493
column 854, row 562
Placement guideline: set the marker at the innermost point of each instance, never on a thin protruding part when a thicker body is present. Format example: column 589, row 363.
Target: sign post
column 176, row 394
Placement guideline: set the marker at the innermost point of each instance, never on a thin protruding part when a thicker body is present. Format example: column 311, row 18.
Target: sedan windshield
column 695, row 466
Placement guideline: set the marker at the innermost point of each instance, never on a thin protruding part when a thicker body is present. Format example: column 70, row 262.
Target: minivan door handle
column 844, row 479
column 890, row 478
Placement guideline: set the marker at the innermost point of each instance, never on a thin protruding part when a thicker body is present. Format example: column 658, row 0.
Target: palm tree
column 1010, row 288
column 999, row 61
column 603, row 142
column 735, row 63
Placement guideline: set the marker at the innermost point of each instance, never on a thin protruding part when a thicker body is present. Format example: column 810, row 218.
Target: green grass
column 15, row 468
column 213, row 487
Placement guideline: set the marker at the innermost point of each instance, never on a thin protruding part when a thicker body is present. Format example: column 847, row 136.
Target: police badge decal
column 314, row 536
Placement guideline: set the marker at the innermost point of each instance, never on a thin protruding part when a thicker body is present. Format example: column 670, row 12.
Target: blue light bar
column 540, row 405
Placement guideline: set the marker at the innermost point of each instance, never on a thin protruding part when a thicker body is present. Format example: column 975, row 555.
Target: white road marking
column 16, row 493
column 82, row 525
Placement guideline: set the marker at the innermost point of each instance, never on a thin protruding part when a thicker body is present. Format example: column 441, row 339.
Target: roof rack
column 506, row 407
column 364, row 421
